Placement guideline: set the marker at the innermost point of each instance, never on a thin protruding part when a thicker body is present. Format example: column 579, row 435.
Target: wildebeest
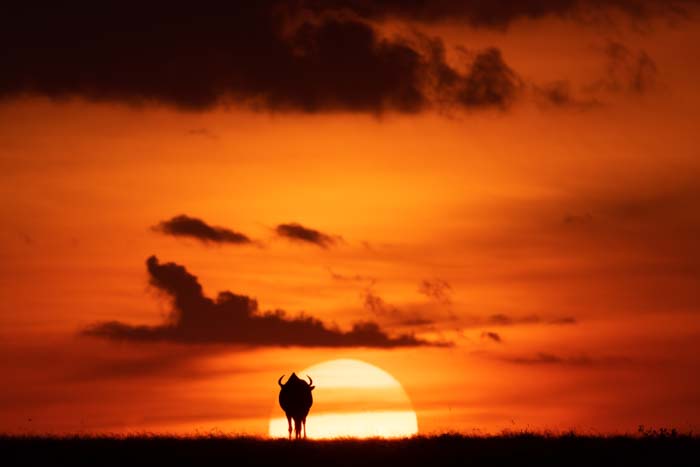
column 296, row 400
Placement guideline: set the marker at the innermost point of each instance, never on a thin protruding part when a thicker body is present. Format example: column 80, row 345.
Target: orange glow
column 362, row 392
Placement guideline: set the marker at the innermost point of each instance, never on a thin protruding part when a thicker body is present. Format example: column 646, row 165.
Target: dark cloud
column 558, row 94
column 502, row 319
column 387, row 312
column 436, row 289
column 550, row 359
column 416, row 321
column 494, row 336
column 507, row 320
column 297, row 55
column 185, row 226
column 627, row 71
column 564, row 321
column 489, row 83
column 350, row 277
column 500, row 13
column 377, row 305
column 298, row 232
column 267, row 55
column 543, row 358
column 635, row 71
column 235, row 319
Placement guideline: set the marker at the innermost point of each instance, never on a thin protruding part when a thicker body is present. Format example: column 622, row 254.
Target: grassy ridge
column 506, row 450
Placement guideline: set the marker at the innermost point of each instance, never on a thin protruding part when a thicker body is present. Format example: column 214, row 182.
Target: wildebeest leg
column 297, row 428
column 303, row 423
column 289, row 423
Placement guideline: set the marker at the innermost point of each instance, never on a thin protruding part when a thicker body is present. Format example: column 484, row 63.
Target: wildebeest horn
column 279, row 381
column 311, row 382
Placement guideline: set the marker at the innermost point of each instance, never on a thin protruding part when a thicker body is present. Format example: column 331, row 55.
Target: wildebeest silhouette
column 296, row 400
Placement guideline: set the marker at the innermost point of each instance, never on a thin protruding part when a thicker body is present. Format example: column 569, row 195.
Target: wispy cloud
column 544, row 358
column 494, row 336
column 438, row 290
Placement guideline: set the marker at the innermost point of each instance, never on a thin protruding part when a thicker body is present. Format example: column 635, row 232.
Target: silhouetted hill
column 664, row 449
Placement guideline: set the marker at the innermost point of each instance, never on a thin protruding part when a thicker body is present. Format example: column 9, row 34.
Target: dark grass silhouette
column 664, row 448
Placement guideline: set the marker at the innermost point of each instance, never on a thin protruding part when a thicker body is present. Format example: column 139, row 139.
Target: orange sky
column 567, row 231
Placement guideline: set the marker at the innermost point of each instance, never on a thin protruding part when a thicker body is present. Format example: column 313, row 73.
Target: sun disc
column 353, row 399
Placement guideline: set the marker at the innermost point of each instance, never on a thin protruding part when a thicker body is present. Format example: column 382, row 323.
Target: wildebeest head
column 295, row 381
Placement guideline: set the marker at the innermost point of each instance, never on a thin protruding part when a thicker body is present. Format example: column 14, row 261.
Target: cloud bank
column 235, row 319
column 286, row 56
column 266, row 55
column 500, row 13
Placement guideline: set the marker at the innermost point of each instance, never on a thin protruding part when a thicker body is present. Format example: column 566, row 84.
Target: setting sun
column 353, row 399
